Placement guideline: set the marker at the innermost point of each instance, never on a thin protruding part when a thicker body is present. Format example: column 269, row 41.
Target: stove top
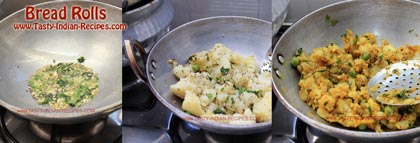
column 147, row 120
column 15, row 129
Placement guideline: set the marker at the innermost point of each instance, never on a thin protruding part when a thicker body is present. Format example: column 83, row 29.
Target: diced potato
column 180, row 88
column 240, row 78
column 262, row 109
column 223, row 87
column 191, row 104
column 248, row 62
column 181, row 71
column 248, row 98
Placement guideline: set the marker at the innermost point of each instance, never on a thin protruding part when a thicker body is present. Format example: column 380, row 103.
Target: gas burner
column 16, row 129
column 308, row 134
column 252, row 138
column 284, row 127
column 192, row 134
column 150, row 124
column 148, row 120
column 145, row 126
column 137, row 97
column 67, row 133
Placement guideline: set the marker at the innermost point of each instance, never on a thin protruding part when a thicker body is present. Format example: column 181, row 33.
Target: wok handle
column 140, row 73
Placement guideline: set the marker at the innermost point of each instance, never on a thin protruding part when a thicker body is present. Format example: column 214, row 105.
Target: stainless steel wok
column 241, row 34
column 388, row 19
column 23, row 52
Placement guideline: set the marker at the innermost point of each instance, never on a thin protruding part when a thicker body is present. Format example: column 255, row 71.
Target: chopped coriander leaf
column 327, row 18
column 192, row 58
column 61, row 82
column 402, row 94
column 227, row 98
column 81, row 59
column 242, row 90
column 355, row 40
column 381, row 57
column 411, row 30
column 258, row 93
column 352, row 73
column 334, row 22
column 330, row 21
column 299, row 51
column 370, row 110
column 218, row 111
column 344, row 35
column 219, row 80
column 367, row 37
column 224, row 70
column 195, row 68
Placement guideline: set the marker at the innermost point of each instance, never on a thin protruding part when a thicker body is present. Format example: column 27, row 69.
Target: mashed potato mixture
column 399, row 96
column 223, row 86
column 334, row 82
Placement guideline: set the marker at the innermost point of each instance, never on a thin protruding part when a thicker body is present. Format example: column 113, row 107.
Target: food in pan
column 334, row 82
column 399, row 96
column 64, row 85
column 223, row 86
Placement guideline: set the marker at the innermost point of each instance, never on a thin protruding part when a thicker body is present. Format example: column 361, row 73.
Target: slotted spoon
column 402, row 75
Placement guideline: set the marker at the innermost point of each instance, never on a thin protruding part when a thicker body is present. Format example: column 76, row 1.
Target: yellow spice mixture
column 399, row 96
column 334, row 82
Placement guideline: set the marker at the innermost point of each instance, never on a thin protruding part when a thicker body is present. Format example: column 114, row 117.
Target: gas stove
column 15, row 129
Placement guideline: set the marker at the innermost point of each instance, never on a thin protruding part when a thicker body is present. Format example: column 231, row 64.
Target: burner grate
column 15, row 129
